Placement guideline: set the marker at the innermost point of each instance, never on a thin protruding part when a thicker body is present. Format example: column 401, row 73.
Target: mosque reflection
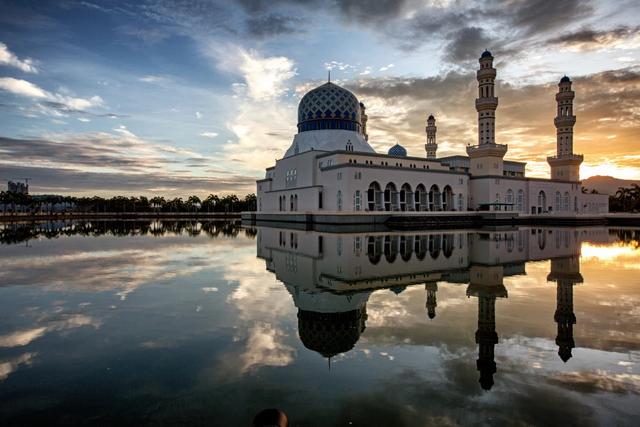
column 331, row 277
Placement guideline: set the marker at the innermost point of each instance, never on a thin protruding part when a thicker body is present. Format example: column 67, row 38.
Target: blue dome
column 485, row 54
column 565, row 79
column 398, row 151
column 329, row 107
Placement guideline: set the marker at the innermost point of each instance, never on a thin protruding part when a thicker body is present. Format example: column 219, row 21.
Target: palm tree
column 193, row 202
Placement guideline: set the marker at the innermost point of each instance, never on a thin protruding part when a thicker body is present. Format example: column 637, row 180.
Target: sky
column 173, row 98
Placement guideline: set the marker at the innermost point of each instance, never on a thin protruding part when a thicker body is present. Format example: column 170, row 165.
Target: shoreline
column 17, row 217
column 435, row 220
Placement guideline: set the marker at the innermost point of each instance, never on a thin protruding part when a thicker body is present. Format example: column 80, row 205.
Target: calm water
column 206, row 324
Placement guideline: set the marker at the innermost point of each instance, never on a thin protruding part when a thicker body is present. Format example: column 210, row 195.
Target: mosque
column 331, row 168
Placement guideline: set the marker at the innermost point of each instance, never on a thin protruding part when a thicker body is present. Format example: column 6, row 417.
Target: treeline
column 54, row 203
column 626, row 199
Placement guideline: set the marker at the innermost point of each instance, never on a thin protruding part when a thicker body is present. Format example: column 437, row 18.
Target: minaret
column 486, row 284
column 566, row 273
column 565, row 165
column 431, row 145
column 432, row 289
column 486, row 158
column 364, row 118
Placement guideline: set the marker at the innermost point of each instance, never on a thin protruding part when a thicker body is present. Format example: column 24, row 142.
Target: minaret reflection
column 486, row 285
column 566, row 273
column 432, row 289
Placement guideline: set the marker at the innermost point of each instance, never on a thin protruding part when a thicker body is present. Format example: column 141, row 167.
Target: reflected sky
column 185, row 323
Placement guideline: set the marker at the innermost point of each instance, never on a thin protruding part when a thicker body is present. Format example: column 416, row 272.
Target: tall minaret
column 565, row 165
column 566, row 273
column 431, row 145
column 486, row 158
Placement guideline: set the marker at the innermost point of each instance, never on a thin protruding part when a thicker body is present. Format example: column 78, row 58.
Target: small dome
column 565, row 79
column 486, row 54
column 398, row 151
column 431, row 117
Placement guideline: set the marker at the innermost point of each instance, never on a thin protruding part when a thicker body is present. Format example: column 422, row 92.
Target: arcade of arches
column 407, row 199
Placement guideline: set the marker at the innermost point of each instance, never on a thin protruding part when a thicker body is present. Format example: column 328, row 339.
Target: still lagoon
column 207, row 323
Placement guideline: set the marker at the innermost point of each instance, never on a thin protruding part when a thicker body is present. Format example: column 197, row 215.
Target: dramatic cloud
column 9, row 59
column 108, row 163
column 466, row 44
column 589, row 39
column 606, row 106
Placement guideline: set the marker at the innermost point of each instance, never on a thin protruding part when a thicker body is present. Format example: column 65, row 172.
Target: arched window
column 542, row 202
column 509, row 200
column 291, row 202
column 558, row 204
column 391, row 198
column 356, row 200
column 339, row 200
column 374, row 197
column 420, row 198
column 460, row 202
column 406, row 198
column 520, row 201
column 435, row 200
column 566, row 201
column 447, row 199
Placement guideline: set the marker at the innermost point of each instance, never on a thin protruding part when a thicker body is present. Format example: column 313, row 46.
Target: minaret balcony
column 564, row 121
column 496, row 150
column 565, row 159
column 486, row 73
column 488, row 103
column 563, row 96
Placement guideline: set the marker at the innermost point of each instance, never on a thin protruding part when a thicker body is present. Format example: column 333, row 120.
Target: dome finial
column 329, row 77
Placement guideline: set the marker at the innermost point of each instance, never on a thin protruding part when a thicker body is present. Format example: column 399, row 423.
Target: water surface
column 138, row 323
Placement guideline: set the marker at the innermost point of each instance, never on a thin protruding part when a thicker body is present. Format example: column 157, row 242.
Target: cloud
column 466, row 43
column 265, row 77
column 7, row 367
column 211, row 135
column 154, row 79
column 21, row 338
column 588, row 39
column 49, row 102
column 386, row 67
column 9, row 59
column 25, row 337
column 198, row 115
column 22, row 88
column 117, row 162
column 265, row 348
column 273, row 24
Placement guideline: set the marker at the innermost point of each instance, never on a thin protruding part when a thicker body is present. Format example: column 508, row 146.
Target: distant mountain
column 607, row 184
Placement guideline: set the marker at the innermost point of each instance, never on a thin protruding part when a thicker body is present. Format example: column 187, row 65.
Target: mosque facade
column 331, row 167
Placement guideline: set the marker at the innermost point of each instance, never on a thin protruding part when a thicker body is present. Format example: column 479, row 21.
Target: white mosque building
column 331, row 168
